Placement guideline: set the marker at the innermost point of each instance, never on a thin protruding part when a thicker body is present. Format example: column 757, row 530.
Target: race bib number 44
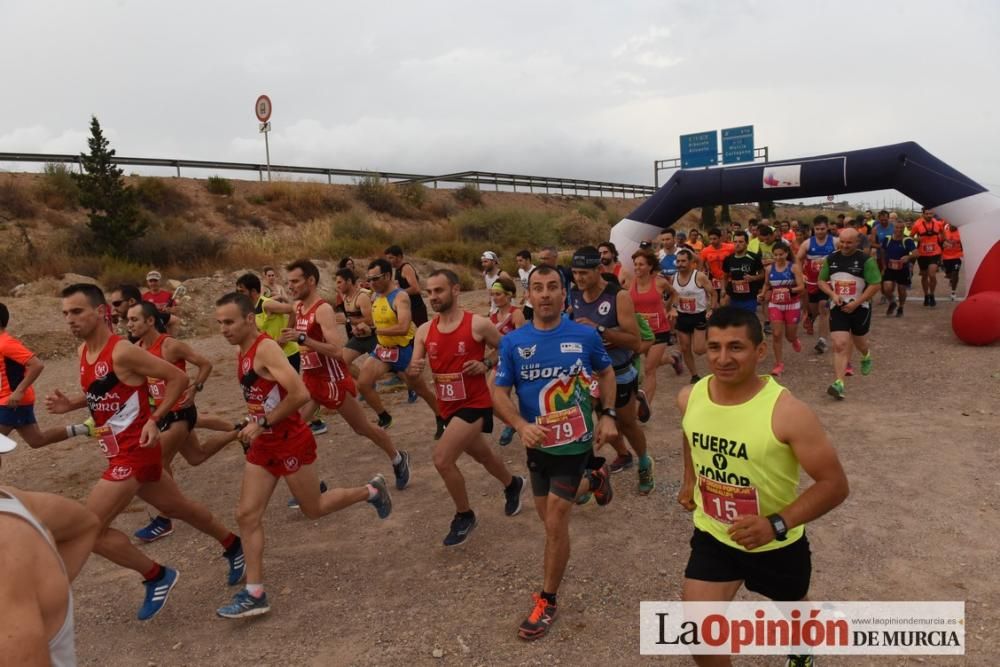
column 389, row 355
column 563, row 426
column 450, row 386
column 726, row 502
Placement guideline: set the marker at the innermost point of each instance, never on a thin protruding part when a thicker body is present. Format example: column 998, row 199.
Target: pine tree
column 114, row 214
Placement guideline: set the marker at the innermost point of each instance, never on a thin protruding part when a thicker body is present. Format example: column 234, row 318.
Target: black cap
column 587, row 257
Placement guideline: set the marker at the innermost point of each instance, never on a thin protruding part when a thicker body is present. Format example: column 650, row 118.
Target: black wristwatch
column 609, row 412
column 488, row 363
column 780, row 529
column 200, row 386
column 302, row 339
column 264, row 424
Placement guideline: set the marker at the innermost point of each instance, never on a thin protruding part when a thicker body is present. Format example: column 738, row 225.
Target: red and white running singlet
column 313, row 363
column 504, row 322
column 262, row 396
column 119, row 410
column 158, row 387
column 447, row 353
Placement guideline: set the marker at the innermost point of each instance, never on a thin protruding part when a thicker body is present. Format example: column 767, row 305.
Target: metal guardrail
column 531, row 184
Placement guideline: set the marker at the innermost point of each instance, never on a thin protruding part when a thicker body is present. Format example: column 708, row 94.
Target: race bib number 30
column 741, row 286
column 726, row 502
column 107, row 440
column 450, row 386
column 389, row 355
column 781, row 295
column 563, row 427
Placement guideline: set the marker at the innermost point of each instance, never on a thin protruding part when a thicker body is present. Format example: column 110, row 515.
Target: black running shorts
column 857, row 322
column 558, row 475
column 188, row 415
column 925, row 262
column 688, row 322
column 470, row 415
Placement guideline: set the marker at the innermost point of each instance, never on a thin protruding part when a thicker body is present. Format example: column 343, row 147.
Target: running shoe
column 933, row 301
column 411, row 396
column 237, row 563
column 892, row 309
column 849, row 370
column 821, row 345
column 800, row 661
column 541, row 618
column 402, row 470
column 440, row 428
column 382, row 501
column 677, row 361
column 385, row 422
column 318, row 427
column 953, row 296
column 695, row 378
column 584, row 499
column 512, row 497
column 293, row 503
column 778, row 370
column 644, row 412
column 927, row 299
column 507, row 435
column 392, row 381
column 767, row 328
column 603, row 492
column 866, row 364
column 797, row 345
column 157, row 592
column 807, row 325
column 899, row 313
column 156, row 529
column 836, row 390
column 646, row 482
column 461, row 528
column 245, row 605
column 623, row 462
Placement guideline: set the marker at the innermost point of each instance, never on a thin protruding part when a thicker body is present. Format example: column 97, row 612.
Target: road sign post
column 699, row 150
column 262, row 107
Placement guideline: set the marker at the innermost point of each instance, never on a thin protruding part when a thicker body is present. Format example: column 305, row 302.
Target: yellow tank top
column 740, row 467
column 272, row 325
column 384, row 316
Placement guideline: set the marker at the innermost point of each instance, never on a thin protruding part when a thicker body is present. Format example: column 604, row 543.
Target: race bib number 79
column 563, row 427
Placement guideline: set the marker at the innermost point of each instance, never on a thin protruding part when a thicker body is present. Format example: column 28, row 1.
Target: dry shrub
column 239, row 214
column 57, row 188
column 217, row 185
column 469, row 194
column 160, row 196
column 462, row 253
column 175, row 241
column 441, row 208
column 16, row 202
column 305, row 201
column 380, row 195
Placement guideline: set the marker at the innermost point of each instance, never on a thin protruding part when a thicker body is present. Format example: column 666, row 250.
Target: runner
column 608, row 309
column 929, row 233
column 749, row 521
column 951, row 256
column 122, row 299
column 668, row 253
column 743, row 276
column 271, row 288
column 551, row 362
column 19, row 369
column 524, row 269
column 782, row 287
column 549, row 256
column 407, row 279
column 786, row 233
column 490, row 262
column 177, row 428
column 454, row 345
column 763, row 247
column 648, row 291
column 811, row 256
column 507, row 318
column 900, row 253
column 691, row 303
column 324, row 371
column 278, row 445
column 394, row 330
column 712, row 257
column 694, row 242
column 46, row 541
column 610, row 264
column 881, row 230
column 850, row 278
column 114, row 376
column 358, row 311
column 271, row 315
column 164, row 302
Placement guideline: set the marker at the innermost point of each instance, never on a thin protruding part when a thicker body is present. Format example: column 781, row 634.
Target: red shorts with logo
column 145, row 465
column 283, row 457
column 328, row 392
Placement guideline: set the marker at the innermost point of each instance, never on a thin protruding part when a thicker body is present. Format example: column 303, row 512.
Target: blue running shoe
column 383, row 501
column 461, row 529
column 157, row 592
column 245, row 605
column 402, row 471
column 237, row 564
column 293, row 503
column 411, row 396
column 507, row 436
column 318, row 427
column 158, row 528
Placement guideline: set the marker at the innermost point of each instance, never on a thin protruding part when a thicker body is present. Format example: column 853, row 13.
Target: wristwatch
column 302, row 339
column 264, row 424
column 601, row 329
column 200, row 386
column 488, row 363
column 609, row 412
column 780, row 529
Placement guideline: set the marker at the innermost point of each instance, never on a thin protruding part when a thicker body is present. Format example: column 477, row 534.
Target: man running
column 549, row 256
column 610, row 264
column 551, row 362
column 407, row 279
column 271, row 315
column 122, row 299
column 712, row 257
column 850, row 279
column 881, row 231
column 394, row 329
column 763, row 247
column 454, row 345
column 524, row 269
column 668, row 253
column 749, row 520
column 164, row 302
column 691, row 302
column 951, row 256
column 114, row 375
column 278, row 445
column 358, row 311
column 811, row 256
column 324, row 371
column 929, row 233
column 899, row 252
column 743, row 275
column 272, row 288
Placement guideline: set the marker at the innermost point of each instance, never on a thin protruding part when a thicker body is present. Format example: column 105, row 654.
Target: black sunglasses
column 117, row 303
column 376, row 276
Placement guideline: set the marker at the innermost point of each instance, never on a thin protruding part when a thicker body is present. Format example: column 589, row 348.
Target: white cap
column 153, row 275
column 490, row 255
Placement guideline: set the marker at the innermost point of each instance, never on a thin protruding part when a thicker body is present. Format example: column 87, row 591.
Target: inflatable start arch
column 905, row 167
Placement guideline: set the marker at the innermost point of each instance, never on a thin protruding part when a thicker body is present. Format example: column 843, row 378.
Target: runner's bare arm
column 275, row 307
column 419, row 361
column 364, row 304
column 403, row 316
column 74, row 528
column 173, row 350
column 270, row 362
column 686, row 494
column 797, row 425
column 482, row 330
column 131, row 362
column 334, row 334
column 531, row 434
column 59, row 403
column 23, row 640
column 626, row 334
column 706, row 284
column 410, row 274
column 32, row 369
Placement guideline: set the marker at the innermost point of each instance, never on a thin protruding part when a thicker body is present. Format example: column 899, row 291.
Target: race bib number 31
column 563, row 427
column 450, row 386
column 726, row 502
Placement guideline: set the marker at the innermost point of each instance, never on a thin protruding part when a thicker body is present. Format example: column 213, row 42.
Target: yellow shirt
column 272, row 325
column 384, row 316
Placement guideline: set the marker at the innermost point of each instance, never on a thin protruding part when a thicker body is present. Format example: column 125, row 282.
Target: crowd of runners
column 565, row 361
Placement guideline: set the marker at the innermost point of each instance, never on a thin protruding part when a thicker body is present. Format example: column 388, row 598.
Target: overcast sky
column 585, row 89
